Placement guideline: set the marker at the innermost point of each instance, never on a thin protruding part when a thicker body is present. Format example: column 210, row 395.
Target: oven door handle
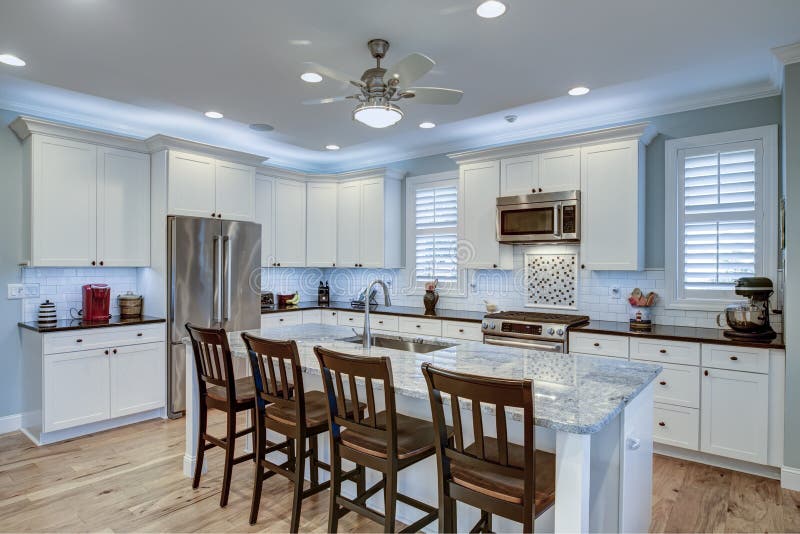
column 557, row 220
column 530, row 345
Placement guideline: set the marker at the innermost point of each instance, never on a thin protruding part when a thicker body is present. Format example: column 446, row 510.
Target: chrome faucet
column 367, row 336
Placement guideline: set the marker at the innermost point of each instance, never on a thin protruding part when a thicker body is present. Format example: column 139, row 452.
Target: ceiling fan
column 380, row 87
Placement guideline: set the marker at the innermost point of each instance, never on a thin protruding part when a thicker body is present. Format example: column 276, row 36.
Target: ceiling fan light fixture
column 11, row 59
column 491, row 9
column 377, row 115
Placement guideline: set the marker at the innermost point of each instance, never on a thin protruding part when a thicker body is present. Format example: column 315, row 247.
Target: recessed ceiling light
column 491, row 9
column 214, row 114
column 261, row 127
column 10, row 59
column 427, row 125
column 510, row 118
column 299, row 42
column 311, row 77
column 332, row 147
column 578, row 91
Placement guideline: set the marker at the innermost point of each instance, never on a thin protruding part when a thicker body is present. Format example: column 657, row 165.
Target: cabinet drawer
column 383, row 322
column 736, row 358
column 312, row 316
column 678, row 384
column 356, row 320
column 659, row 350
column 102, row 337
column 272, row 320
column 599, row 344
column 676, row 425
column 462, row 330
column 425, row 327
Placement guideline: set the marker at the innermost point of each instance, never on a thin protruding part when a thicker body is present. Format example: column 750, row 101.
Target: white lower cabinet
column 735, row 414
column 462, row 330
column 132, row 389
column 330, row 317
column 312, row 316
column 75, row 389
column 676, row 425
column 273, row 320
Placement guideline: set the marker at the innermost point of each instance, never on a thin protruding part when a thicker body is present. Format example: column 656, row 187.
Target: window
column 432, row 231
column 721, row 206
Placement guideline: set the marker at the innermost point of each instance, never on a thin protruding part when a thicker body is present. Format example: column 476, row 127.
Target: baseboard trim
column 10, row 423
column 766, row 471
column 790, row 478
column 45, row 438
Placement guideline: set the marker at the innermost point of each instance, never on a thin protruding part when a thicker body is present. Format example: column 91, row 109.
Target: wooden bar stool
column 220, row 390
column 385, row 441
column 492, row 474
column 291, row 411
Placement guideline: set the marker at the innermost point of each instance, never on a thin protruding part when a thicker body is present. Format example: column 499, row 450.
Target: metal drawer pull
column 663, row 382
column 597, row 344
column 705, row 372
column 114, row 351
column 734, row 358
column 281, row 319
column 418, row 326
column 79, row 340
column 105, row 351
column 139, row 334
column 662, row 423
column 461, row 330
column 663, row 351
column 380, row 322
column 349, row 318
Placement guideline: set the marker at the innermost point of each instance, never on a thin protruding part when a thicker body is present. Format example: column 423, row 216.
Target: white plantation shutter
column 719, row 217
column 436, row 231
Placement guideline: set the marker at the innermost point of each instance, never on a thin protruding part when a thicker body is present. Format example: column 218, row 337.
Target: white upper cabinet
column 64, row 201
column 201, row 186
column 123, row 208
column 369, row 223
column 479, row 187
column 519, row 176
column 90, row 204
column 560, row 170
column 265, row 216
column 290, row 223
column 612, row 200
column 234, row 191
column 321, row 223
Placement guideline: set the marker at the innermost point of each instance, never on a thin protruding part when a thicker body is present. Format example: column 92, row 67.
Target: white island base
column 603, row 480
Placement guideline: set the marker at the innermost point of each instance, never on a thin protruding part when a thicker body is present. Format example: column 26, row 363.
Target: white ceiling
column 153, row 66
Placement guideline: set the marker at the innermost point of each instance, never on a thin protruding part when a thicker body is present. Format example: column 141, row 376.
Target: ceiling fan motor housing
column 378, row 48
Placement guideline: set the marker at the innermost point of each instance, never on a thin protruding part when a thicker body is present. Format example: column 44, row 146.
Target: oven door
column 538, row 222
column 530, row 344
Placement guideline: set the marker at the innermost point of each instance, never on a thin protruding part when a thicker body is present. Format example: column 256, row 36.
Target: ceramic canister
column 47, row 314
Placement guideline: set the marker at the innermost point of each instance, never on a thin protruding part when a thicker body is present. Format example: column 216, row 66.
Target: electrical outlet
column 615, row 292
column 23, row 291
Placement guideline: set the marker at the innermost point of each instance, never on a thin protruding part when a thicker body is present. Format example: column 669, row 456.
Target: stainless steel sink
column 420, row 346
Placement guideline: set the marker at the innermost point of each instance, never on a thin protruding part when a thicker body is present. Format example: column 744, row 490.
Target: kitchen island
column 594, row 413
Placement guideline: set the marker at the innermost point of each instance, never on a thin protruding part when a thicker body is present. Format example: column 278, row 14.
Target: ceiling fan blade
column 327, row 100
column 411, row 68
column 333, row 74
column 435, row 95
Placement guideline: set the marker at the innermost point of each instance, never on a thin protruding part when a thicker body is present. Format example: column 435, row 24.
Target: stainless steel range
column 530, row 330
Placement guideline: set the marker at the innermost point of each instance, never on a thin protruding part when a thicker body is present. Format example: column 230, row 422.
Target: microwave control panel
column 568, row 220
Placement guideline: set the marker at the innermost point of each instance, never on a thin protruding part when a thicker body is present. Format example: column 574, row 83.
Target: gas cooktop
column 538, row 317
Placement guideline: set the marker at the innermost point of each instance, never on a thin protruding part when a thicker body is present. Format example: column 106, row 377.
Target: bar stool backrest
column 270, row 360
column 213, row 360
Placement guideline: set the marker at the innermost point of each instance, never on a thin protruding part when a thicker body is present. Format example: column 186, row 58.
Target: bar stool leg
column 230, row 448
column 201, row 443
column 389, row 500
column 336, row 488
column 448, row 520
column 299, row 468
column 313, row 462
column 258, row 479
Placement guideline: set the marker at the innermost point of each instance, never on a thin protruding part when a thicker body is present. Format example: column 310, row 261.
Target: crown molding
column 25, row 126
column 386, row 173
column 642, row 131
column 787, row 54
column 165, row 142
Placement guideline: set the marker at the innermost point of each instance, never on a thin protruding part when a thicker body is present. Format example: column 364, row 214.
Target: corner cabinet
column 280, row 208
column 89, row 204
column 479, row 187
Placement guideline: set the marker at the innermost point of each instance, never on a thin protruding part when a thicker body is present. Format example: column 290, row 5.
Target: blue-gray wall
column 791, row 174
column 736, row 116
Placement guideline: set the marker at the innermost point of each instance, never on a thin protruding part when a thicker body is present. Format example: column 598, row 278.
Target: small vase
column 430, row 299
column 641, row 318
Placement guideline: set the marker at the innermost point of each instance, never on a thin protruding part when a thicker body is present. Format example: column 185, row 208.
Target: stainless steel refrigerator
column 213, row 276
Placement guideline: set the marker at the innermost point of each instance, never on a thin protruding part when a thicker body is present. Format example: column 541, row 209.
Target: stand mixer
column 749, row 320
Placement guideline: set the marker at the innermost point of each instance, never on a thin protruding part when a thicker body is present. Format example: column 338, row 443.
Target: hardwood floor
column 131, row 479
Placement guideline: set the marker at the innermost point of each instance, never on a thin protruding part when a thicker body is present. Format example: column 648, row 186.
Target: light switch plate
column 23, row 291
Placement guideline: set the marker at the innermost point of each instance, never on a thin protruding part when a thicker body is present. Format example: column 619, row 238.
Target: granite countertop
column 677, row 333
column 576, row 394
column 407, row 311
column 79, row 324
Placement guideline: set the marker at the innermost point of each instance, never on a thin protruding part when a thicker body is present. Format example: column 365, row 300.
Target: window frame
column 766, row 211
column 414, row 287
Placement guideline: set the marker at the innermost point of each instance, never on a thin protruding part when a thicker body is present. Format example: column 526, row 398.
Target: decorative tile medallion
column 552, row 281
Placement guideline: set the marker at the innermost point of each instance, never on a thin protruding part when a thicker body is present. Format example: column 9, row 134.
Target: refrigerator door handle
column 217, row 312
column 226, row 274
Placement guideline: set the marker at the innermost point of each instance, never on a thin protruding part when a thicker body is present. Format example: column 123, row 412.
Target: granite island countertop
column 406, row 311
column 575, row 394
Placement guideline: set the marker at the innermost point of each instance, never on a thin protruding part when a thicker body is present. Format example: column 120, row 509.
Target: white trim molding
column 160, row 142
column 790, row 478
column 25, row 126
column 787, row 54
column 10, row 423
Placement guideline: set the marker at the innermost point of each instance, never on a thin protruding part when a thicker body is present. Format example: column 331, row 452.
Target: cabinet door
column 64, row 198
column 373, row 215
column 612, row 196
column 75, row 389
column 479, row 188
column 321, row 224
column 290, row 223
column 348, row 231
column 233, row 192
column 123, row 208
column 190, row 186
column 560, row 170
column 734, row 414
column 265, row 215
column 138, row 378
column 330, row 317
column 519, row 176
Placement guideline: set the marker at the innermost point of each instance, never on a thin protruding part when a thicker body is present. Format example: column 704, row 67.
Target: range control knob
column 551, row 331
column 484, row 325
column 492, row 325
column 560, row 332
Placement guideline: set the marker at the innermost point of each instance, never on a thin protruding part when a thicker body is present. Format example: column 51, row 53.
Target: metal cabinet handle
column 101, row 263
column 349, row 318
column 663, row 382
column 214, row 214
column 219, row 215
column 94, row 262
column 79, row 340
column 662, row 423
column 114, row 351
column 105, row 351
column 419, row 326
column 333, row 313
column 380, row 322
column 461, row 330
column 281, row 319
column 734, row 358
column 597, row 344
column 705, row 372
column 139, row 334
column 663, row 351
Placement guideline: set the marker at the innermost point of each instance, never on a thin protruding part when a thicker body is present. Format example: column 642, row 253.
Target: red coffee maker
column 96, row 300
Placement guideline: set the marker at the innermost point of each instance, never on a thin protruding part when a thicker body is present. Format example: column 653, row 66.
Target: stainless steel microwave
column 539, row 218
